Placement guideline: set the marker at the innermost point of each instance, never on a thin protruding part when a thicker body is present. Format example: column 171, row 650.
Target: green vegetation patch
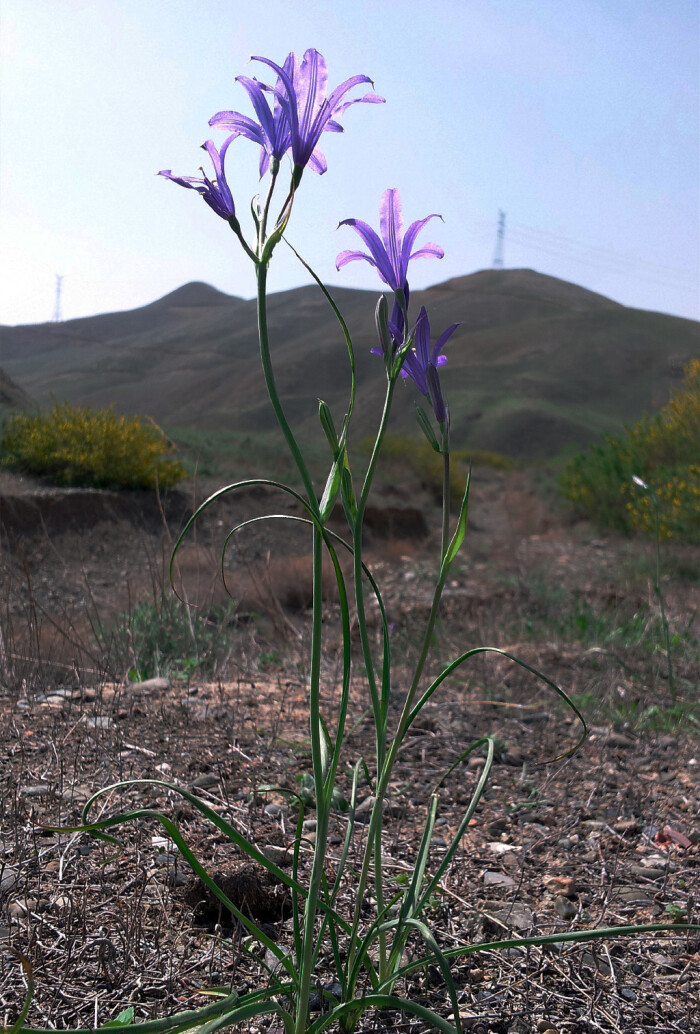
column 402, row 455
column 663, row 450
column 165, row 637
column 76, row 445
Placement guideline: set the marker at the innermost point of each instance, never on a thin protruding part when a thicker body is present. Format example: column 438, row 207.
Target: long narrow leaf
column 379, row 1001
column 444, row 965
column 576, row 936
column 471, row 808
column 183, row 1021
column 516, row 660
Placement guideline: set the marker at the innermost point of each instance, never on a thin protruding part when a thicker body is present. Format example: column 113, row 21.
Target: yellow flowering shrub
column 76, row 445
column 664, row 450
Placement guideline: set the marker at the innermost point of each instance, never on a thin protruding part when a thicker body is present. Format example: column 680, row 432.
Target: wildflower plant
column 367, row 944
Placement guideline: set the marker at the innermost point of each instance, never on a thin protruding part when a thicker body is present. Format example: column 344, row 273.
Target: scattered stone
column 516, row 917
column 596, row 962
column 630, row 894
column 564, row 908
column 22, row 907
column 363, row 810
column 149, row 686
column 497, row 847
column 627, row 826
column 498, row 879
column 666, row 742
column 98, row 721
column 40, row 790
column 277, row 855
column 9, row 878
column 616, row 739
column 204, row 781
column 61, row 901
column 164, row 858
column 560, row 885
column 275, row 811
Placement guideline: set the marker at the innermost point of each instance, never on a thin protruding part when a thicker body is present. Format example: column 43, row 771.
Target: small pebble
column 564, row 908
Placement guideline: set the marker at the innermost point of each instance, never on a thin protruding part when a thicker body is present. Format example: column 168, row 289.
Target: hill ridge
column 536, row 364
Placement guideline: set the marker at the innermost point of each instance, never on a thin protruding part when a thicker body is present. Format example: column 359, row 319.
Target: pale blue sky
column 578, row 118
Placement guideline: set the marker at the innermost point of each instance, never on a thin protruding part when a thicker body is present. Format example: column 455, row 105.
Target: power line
column 558, row 240
column 617, row 268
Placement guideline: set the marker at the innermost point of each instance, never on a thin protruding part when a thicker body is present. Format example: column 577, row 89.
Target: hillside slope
column 536, row 364
column 12, row 397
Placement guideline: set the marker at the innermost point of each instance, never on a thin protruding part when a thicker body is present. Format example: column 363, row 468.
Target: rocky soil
column 610, row 836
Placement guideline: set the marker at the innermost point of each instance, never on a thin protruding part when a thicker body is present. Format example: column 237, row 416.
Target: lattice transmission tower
column 500, row 240
column 57, row 313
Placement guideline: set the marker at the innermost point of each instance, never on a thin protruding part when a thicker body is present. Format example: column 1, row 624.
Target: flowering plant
column 368, row 954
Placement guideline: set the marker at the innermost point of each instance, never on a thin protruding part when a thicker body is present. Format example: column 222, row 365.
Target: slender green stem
column 272, row 388
column 445, row 495
column 385, row 770
column 262, row 232
column 378, row 703
column 380, row 723
column 319, row 764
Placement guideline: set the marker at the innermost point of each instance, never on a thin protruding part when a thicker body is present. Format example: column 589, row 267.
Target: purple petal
column 436, row 358
column 311, row 91
column 341, row 90
column 288, row 99
column 435, row 394
column 192, row 182
column 428, row 251
column 256, row 92
column 317, row 161
column 422, row 338
column 391, row 225
column 380, row 259
column 411, row 234
column 234, row 122
column 369, row 98
column 345, row 256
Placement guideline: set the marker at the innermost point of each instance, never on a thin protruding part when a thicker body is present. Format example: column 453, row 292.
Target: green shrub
column 165, row 637
column 663, row 449
column 95, row 448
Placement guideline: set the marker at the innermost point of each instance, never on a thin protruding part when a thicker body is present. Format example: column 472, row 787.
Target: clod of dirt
column 252, row 889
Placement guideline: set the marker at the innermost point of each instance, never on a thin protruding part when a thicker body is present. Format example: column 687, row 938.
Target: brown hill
column 537, row 363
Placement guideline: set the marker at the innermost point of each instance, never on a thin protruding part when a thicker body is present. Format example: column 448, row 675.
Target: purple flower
column 391, row 254
column 215, row 192
column 421, row 365
column 300, row 114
